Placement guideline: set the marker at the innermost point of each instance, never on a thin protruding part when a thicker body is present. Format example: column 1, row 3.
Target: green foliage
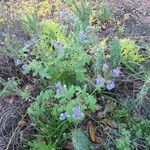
column 71, row 66
column 8, row 87
column 51, row 130
column 25, row 94
column 82, row 9
column 31, row 24
column 11, row 47
column 105, row 14
column 80, row 140
column 142, row 100
column 62, row 102
column 121, row 29
column 73, row 63
column 99, row 59
column 67, row 102
column 115, row 53
column 52, row 31
column 38, row 145
column 38, row 108
column 124, row 142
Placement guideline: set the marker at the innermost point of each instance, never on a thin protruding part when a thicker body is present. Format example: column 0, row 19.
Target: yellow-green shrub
column 130, row 50
column 51, row 31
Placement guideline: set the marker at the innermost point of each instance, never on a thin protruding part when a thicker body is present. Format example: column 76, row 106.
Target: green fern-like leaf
column 80, row 140
column 115, row 53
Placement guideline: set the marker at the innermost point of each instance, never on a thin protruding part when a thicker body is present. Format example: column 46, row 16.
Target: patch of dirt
column 7, row 67
column 137, row 23
column 15, row 126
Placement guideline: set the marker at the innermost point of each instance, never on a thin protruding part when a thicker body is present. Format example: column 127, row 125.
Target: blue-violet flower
column 105, row 67
column 82, row 36
column 17, row 62
column 100, row 81
column 63, row 116
column 116, row 72
column 77, row 114
column 110, row 85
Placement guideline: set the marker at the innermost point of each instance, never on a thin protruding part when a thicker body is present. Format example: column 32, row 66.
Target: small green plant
column 105, row 13
column 99, row 60
column 82, row 9
column 8, row 87
column 124, row 142
column 31, row 24
column 115, row 53
column 38, row 145
column 80, row 140
column 121, row 29
column 11, row 47
column 52, row 132
column 141, row 104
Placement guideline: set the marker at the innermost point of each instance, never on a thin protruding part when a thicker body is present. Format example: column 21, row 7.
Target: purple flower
column 63, row 116
column 58, row 84
column 63, row 15
column 100, row 81
column 25, row 67
column 77, row 114
column 17, row 62
column 105, row 67
column 116, row 72
column 76, row 109
column 58, row 45
column 61, row 90
column 110, row 85
column 82, row 36
column 58, row 91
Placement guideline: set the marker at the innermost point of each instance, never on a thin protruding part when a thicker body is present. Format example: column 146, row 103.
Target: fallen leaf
column 92, row 133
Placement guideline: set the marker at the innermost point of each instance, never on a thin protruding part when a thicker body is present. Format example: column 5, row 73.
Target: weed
column 105, row 14
column 115, row 53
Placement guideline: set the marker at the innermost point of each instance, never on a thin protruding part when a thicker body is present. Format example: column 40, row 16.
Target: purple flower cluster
column 60, row 89
column 77, row 114
column 100, row 82
column 110, row 84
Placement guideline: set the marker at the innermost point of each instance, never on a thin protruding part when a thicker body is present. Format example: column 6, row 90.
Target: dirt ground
column 138, row 23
